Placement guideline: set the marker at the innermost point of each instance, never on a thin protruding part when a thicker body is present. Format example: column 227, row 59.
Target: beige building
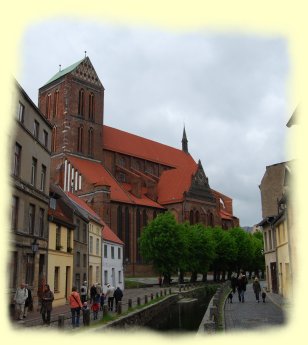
column 94, row 241
column 30, row 173
column 277, row 227
column 60, row 249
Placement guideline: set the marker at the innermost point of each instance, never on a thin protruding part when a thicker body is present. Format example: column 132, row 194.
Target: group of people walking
column 79, row 302
column 240, row 282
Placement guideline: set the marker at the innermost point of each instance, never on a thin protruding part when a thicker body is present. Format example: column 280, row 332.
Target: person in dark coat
column 256, row 289
column 241, row 286
column 46, row 304
column 92, row 293
column 118, row 294
column 28, row 303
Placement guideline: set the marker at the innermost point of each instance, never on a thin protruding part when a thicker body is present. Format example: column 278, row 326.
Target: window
column 91, row 106
column 77, row 281
column 29, row 269
column 55, row 103
column 81, row 103
column 84, row 232
column 45, row 138
column 97, row 274
column 78, row 259
column 105, row 277
column 68, row 240
column 90, row 142
column 80, row 139
column 84, row 260
column 41, row 222
column 105, row 251
column 17, row 160
column 120, row 276
column 36, row 129
column 91, row 245
column 31, row 219
column 21, row 112
column 56, row 279
column 119, row 253
column 14, row 215
column 54, row 139
column 121, row 177
column 13, row 269
column 97, row 246
column 77, row 232
column 52, row 203
column 112, row 252
column 58, row 237
column 33, row 171
column 43, row 178
column 48, row 106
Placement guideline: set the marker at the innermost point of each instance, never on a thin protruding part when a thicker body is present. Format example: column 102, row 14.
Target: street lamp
column 34, row 247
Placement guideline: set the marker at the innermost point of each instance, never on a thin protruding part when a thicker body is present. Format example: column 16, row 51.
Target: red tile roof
column 109, row 235
column 81, row 203
column 134, row 145
column 96, row 174
column 174, row 182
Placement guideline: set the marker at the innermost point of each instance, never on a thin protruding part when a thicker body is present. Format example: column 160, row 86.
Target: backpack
column 82, row 289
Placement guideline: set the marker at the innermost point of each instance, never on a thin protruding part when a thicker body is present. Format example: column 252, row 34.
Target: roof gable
column 82, row 69
column 109, row 235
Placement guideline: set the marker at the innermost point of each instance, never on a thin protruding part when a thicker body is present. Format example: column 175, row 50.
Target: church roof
column 109, row 235
column 136, row 146
column 96, row 174
column 174, row 182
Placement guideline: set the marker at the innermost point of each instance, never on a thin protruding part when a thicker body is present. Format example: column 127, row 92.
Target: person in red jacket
column 75, row 305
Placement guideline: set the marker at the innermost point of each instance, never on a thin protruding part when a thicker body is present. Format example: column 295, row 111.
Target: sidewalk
column 251, row 315
column 34, row 318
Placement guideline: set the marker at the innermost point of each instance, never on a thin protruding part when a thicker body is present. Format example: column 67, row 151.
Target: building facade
column 30, row 174
column 126, row 179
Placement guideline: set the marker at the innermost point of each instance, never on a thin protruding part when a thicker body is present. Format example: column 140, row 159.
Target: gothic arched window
column 91, row 106
column 55, row 103
column 80, row 139
column 81, row 103
column 48, row 106
column 90, row 142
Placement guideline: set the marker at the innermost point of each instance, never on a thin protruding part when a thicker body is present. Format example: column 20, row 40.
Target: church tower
column 73, row 101
column 184, row 142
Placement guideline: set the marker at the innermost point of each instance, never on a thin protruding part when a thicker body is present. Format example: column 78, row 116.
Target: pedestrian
column 46, row 304
column 29, row 302
column 241, row 286
column 92, row 293
column 95, row 306
column 98, row 289
column 233, row 282
column 256, row 288
column 102, row 301
column 20, row 298
column 118, row 294
column 110, row 297
column 75, row 305
column 83, row 292
column 85, row 314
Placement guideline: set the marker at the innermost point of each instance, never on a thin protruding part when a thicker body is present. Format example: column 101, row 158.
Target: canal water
column 182, row 316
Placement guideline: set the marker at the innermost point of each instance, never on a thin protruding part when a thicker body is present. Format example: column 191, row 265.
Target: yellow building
column 60, row 251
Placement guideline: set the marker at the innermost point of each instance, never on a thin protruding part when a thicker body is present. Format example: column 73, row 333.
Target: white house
column 112, row 265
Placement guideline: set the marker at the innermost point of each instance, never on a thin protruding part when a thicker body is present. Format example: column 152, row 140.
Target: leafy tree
column 226, row 251
column 161, row 244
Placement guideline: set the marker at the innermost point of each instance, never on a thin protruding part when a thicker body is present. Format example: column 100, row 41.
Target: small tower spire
column 184, row 142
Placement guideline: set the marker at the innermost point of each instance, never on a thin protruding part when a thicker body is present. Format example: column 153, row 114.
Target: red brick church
column 125, row 178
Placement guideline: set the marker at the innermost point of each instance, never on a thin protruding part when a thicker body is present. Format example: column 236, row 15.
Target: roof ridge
column 64, row 71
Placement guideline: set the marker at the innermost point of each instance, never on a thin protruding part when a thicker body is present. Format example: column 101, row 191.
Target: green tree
column 226, row 251
column 161, row 244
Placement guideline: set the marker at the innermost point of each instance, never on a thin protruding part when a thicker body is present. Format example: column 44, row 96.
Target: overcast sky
column 228, row 88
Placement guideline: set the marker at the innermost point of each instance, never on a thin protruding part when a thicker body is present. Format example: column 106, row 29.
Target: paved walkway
column 34, row 318
column 252, row 315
